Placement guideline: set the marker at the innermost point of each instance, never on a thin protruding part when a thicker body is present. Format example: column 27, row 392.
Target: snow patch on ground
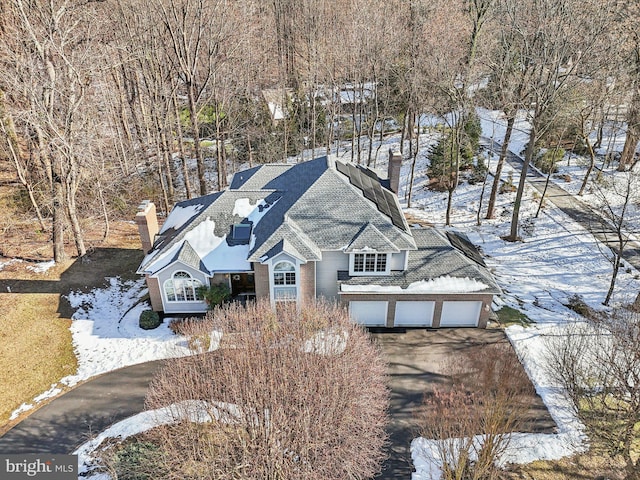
column 9, row 262
column 41, row 267
column 106, row 335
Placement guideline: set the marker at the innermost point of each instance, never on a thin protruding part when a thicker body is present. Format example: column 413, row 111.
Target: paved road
column 575, row 208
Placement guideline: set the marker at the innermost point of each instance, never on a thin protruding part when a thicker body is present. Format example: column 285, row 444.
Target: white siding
column 326, row 273
column 414, row 313
column 397, row 260
column 181, row 307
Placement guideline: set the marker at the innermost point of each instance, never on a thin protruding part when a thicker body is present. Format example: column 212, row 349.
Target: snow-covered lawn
column 106, row 335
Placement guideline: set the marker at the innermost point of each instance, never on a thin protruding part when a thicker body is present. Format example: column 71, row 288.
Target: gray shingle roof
column 370, row 237
column 435, row 258
column 188, row 256
column 311, row 205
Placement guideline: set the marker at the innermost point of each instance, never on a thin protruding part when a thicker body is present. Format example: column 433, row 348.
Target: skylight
column 241, row 233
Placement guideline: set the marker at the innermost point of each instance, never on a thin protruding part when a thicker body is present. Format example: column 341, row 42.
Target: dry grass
column 592, row 465
column 36, row 348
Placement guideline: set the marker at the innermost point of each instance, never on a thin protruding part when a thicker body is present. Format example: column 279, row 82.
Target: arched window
column 182, row 287
column 284, row 282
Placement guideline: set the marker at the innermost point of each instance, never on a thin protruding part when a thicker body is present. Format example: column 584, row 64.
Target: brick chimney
column 147, row 222
column 393, row 172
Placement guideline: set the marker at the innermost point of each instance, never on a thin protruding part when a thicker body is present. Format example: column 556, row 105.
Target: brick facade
column 307, row 282
column 261, row 276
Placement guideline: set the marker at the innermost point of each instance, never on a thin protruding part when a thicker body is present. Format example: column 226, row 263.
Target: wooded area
column 106, row 102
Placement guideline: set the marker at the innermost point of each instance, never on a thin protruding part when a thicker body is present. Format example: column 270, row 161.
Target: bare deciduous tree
column 615, row 196
column 598, row 364
column 553, row 39
column 48, row 62
column 297, row 393
column 471, row 422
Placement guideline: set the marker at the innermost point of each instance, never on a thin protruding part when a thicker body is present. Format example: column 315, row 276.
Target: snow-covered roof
column 435, row 267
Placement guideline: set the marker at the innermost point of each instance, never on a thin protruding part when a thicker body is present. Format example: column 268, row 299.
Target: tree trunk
column 513, row 236
column 183, row 156
column 484, row 187
column 220, row 152
column 413, row 166
column 627, row 157
column 511, row 120
column 168, row 164
column 449, row 206
column 193, row 113
column 548, row 179
column 58, row 212
column 78, row 237
column 592, row 163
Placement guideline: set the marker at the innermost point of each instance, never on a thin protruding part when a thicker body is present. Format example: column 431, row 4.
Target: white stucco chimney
column 393, row 171
column 147, row 222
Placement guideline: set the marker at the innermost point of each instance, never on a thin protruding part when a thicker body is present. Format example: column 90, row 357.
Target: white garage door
column 460, row 314
column 369, row 313
column 414, row 314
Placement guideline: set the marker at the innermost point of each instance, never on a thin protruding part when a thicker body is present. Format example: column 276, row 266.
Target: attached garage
column 414, row 314
column 369, row 313
column 460, row 314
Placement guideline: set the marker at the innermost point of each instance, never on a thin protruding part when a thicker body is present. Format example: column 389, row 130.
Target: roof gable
column 370, row 238
column 189, row 256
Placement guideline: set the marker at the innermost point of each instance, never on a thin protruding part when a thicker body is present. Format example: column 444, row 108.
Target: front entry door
column 242, row 283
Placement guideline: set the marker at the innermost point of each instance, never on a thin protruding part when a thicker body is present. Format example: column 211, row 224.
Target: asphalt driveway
column 73, row 418
column 415, row 359
column 416, row 365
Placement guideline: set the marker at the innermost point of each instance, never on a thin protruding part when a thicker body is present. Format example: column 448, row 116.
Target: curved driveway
column 73, row 418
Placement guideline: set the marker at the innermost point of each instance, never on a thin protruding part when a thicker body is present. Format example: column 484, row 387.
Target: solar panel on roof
column 354, row 176
column 390, row 201
column 369, row 173
column 342, row 168
column 383, row 204
column 368, row 188
column 367, row 181
column 398, row 219
column 460, row 242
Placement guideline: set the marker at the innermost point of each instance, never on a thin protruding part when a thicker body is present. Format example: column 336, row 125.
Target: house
column 322, row 228
column 277, row 100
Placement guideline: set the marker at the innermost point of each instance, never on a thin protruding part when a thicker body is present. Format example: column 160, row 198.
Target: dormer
column 370, row 252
